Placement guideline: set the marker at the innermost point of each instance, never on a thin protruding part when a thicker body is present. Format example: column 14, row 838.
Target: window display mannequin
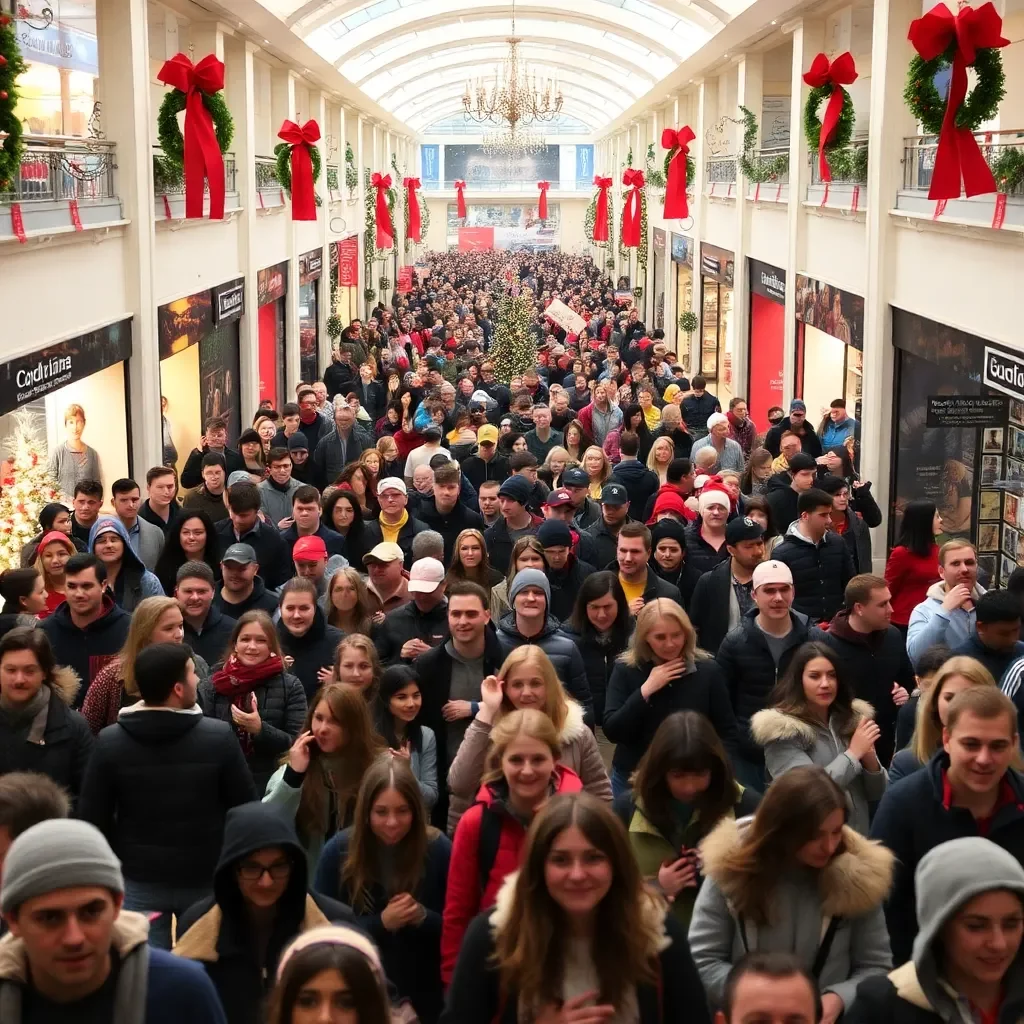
column 74, row 460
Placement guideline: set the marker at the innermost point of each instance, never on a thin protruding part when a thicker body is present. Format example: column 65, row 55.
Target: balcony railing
column 56, row 168
column 528, row 185
column 847, row 167
column 266, row 172
column 1003, row 151
column 771, row 166
column 720, row 170
column 169, row 178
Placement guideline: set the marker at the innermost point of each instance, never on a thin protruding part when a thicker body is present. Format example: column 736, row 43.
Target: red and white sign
column 348, row 262
column 476, row 239
column 855, row 199
column 76, row 220
column 999, row 213
column 405, row 279
column 18, row 223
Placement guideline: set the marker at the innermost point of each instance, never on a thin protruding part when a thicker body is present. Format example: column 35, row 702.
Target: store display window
column 767, row 340
column 682, row 262
column 271, row 288
column 345, row 279
column 717, row 270
column 310, row 267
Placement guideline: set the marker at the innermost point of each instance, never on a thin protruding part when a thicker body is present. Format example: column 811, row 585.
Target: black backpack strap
column 826, row 945
column 743, row 933
column 487, row 846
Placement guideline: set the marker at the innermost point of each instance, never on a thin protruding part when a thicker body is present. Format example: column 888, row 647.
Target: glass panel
column 709, row 329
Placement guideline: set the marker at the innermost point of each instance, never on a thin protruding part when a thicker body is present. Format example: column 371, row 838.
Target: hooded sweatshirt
column 134, row 582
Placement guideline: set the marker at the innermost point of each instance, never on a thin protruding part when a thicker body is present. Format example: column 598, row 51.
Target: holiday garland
column 171, row 141
column 513, row 349
column 11, row 65
column 981, row 104
column 812, row 123
column 351, row 175
column 688, row 322
column 283, row 155
column 588, row 224
column 1008, row 169
column 370, row 203
column 753, row 168
column 654, row 176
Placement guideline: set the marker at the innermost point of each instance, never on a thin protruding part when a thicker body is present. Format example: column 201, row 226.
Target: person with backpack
column 522, row 773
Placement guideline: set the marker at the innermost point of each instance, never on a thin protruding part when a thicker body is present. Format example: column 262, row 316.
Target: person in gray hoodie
column 966, row 964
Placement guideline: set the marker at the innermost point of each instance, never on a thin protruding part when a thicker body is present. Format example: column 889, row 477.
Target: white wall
column 194, row 256
column 769, row 239
column 836, row 251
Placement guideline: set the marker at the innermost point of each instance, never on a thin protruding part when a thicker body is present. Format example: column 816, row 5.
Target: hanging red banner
column 348, row 262
column 18, row 223
column 476, row 239
column 302, row 140
column 999, row 213
column 167, row 208
column 855, row 199
column 76, row 220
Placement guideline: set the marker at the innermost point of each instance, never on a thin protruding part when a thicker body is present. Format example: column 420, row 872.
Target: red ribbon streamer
column 999, row 212
column 167, row 208
column 203, row 158
column 18, row 223
column 460, row 198
column 415, row 227
column 676, row 205
column 542, row 203
column 601, row 213
column 303, row 192
column 385, row 229
column 958, row 154
column 633, row 180
column 76, row 219
column 842, row 71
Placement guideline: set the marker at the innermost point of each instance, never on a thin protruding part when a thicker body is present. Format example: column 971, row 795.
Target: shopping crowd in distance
column 565, row 699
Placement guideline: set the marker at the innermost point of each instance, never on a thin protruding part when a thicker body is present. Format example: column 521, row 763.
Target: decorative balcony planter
column 169, row 190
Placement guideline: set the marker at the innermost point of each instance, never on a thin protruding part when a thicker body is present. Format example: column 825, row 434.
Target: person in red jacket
column 522, row 772
column 913, row 564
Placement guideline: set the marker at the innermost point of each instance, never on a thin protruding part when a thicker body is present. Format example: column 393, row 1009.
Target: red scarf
column 237, row 681
column 306, row 416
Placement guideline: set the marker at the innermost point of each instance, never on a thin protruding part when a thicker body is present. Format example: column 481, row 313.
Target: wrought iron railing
column 848, row 166
column 169, row 178
column 1003, row 151
column 771, row 166
column 57, row 168
column 720, row 170
column 266, row 172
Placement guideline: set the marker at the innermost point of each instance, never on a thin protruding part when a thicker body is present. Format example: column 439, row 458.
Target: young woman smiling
column 470, row 561
column 190, row 538
column 308, row 643
column 398, row 707
column 357, row 664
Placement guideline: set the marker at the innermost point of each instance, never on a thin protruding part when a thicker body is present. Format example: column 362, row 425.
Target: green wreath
column 283, row 154
column 690, row 167
column 812, row 124
column 753, row 168
column 688, row 322
column 171, row 141
column 12, row 65
column 981, row 104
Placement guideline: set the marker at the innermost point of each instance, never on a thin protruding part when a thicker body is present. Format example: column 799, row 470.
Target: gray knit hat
column 61, row 853
column 529, row 578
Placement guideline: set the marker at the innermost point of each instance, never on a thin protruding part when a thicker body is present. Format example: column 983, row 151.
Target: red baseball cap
column 309, row 549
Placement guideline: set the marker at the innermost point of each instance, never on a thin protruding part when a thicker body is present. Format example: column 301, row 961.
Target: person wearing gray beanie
column 529, row 578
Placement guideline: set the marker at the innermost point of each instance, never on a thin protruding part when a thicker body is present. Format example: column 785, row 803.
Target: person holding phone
column 398, row 720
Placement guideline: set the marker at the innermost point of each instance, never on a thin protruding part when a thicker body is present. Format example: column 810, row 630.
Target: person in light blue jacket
column 399, row 702
column 128, row 580
column 836, row 427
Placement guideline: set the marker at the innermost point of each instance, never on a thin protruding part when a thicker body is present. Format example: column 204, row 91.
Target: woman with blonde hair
column 598, row 467
column 759, row 470
column 391, row 866
column 662, row 452
column 527, row 679
column 556, row 462
column 522, row 772
column 318, row 780
column 470, row 561
column 391, row 458
column 156, row 620
column 546, row 953
column 527, row 553
column 371, row 462
column 348, row 602
column 357, row 664
column 661, row 671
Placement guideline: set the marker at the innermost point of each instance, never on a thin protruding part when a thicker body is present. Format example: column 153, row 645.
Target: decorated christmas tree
column 11, row 65
column 25, row 488
column 514, row 349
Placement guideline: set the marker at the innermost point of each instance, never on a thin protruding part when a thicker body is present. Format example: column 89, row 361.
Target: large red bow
column 676, row 205
column 203, row 158
column 601, row 213
column 302, row 140
column 842, row 71
column 633, row 180
column 958, row 153
column 415, row 228
column 385, row 228
column 542, row 203
column 460, row 197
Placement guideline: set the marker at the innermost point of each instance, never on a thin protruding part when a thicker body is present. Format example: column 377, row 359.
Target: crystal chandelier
column 511, row 143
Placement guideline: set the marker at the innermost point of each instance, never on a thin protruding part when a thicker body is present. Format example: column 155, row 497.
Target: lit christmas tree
column 25, row 488
column 514, row 349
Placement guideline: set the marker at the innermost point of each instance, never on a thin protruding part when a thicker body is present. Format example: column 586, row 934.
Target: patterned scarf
column 237, row 681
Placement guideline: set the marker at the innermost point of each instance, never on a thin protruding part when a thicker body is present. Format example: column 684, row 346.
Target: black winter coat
column 67, row 741
column 312, row 651
column 192, row 472
column 599, row 661
column 605, row 542
column 751, row 673
column 700, row 555
column 271, row 553
column 631, row 722
column 409, row 623
column 911, row 820
column 499, row 543
column 861, row 517
column 260, row 599
column 477, row 471
column 810, row 443
column 782, row 500
column 709, row 606
column 565, row 585
column 281, row 702
column 820, row 574
column 450, row 524
column 212, row 643
column 639, row 481
column 374, row 535
column 159, row 786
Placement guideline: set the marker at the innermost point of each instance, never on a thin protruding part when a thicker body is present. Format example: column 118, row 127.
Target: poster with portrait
column 1011, row 509
column 987, row 565
column 988, row 536
column 993, row 439
column 991, row 466
column 219, row 378
column 838, row 313
column 989, row 505
column 1011, row 538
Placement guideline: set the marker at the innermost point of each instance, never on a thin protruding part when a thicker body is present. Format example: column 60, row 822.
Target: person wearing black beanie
column 669, row 560
column 565, row 572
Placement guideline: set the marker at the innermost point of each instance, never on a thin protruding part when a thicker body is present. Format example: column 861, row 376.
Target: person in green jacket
column 682, row 787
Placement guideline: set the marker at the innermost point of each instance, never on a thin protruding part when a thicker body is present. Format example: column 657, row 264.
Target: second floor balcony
column 169, row 188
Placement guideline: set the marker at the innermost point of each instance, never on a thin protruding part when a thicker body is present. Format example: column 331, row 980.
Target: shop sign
column 229, row 301
column 967, row 410
column 659, row 242
column 40, row 373
column 838, row 314
column 404, row 279
column 718, row 264
column 348, row 262
column 768, row 281
column 184, row 322
column 1004, row 371
column 682, row 250
column 61, row 46
column 310, row 265
column 271, row 283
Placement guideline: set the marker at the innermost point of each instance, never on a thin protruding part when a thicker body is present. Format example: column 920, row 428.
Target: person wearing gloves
column 730, row 454
column 965, row 964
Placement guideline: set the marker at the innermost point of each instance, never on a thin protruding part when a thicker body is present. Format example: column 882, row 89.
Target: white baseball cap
column 425, row 576
column 771, row 572
column 392, row 483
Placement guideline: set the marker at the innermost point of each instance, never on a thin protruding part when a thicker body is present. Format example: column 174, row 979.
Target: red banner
column 348, row 262
column 76, row 220
column 476, row 239
column 855, row 199
column 999, row 213
column 18, row 223
column 404, row 279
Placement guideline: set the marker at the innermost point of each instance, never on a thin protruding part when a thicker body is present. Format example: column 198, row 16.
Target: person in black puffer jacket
column 308, row 642
column 419, row 625
column 853, row 522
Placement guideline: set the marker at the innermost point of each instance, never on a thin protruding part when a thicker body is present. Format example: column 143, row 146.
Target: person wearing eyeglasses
column 261, row 901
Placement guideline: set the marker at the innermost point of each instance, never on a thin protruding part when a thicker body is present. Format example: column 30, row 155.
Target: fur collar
column 200, row 941
column 908, row 988
column 854, row 883
column 653, row 915
column 66, row 684
column 131, row 930
column 773, row 726
column 573, row 726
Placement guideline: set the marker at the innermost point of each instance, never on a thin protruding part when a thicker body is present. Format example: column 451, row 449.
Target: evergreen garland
column 981, row 104
column 591, row 216
column 334, row 327
column 424, row 219
column 283, row 154
column 171, row 141
column 753, row 168
column 688, row 322
column 11, row 65
column 1008, row 169
column 372, row 252
column 654, row 176
column 514, row 348
column 351, row 174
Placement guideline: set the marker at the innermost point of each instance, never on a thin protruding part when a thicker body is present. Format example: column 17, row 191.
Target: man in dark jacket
column 413, row 629
column 88, row 629
column 640, row 482
column 698, row 406
column 487, row 464
column 263, row 876
column 566, row 572
column 214, row 440
column 755, row 655
column 586, row 511
column 873, row 652
column 558, row 505
column 784, row 489
column 338, row 377
column 340, row 446
column 159, row 784
column 967, row 789
column 516, row 521
column 725, row 594
column 632, row 564
column 445, row 513
column 854, row 526
column 369, row 392
column 245, row 527
column 796, row 422
column 207, row 628
column 305, row 506
column 395, row 523
column 614, row 514
column 819, row 560
column 242, row 589
column 530, row 623
column 209, row 497
column 312, row 425
column 995, row 641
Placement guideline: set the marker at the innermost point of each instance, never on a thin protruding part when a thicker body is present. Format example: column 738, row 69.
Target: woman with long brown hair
column 391, row 866
column 357, row 664
column 575, row 935
column 319, row 778
column 796, row 880
column 470, row 561
column 348, row 602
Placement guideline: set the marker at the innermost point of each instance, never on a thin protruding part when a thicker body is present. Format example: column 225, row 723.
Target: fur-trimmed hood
column 66, row 684
column 774, row 726
column 853, row 884
column 573, row 726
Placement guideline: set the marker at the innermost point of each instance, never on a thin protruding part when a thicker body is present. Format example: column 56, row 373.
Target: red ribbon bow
column 676, row 205
column 301, row 140
column 601, row 213
column 415, row 228
column 203, row 159
column 958, row 154
column 542, row 203
column 634, row 180
column 385, row 229
column 460, row 197
column 842, row 71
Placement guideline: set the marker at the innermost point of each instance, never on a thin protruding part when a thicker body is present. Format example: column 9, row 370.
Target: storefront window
column 272, row 284
column 310, row 265
column 716, row 349
column 682, row 261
